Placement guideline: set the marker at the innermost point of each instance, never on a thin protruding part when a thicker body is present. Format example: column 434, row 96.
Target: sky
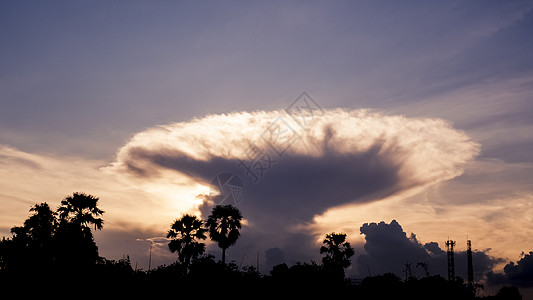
column 401, row 124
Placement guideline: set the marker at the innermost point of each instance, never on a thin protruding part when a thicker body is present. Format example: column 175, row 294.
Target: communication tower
column 451, row 260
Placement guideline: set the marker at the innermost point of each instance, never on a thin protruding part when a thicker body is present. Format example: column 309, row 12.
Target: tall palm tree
column 338, row 252
column 184, row 233
column 224, row 224
column 74, row 239
column 81, row 210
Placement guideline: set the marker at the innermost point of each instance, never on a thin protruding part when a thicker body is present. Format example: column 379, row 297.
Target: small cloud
column 274, row 256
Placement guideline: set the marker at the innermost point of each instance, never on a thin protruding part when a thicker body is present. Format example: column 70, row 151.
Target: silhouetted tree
column 74, row 240
column 337, row 253
column 58, row 248
column 280, row 271
column 185, row 234
column 40, row 228
column 14, row 252
column 30, row 246
column 81, row 210
column 41, row 225
column 224, row 224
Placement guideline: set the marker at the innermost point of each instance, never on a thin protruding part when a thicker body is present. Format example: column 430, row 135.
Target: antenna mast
column 451, row 260
column 469, row 259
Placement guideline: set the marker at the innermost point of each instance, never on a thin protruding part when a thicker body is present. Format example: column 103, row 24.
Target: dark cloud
column 274, row 256
column 388, row 248
column 519, row 273
column 298, row 187
column 294, row 190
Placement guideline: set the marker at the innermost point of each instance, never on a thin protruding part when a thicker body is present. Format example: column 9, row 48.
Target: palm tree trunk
column 187, row 262
column 224, row 256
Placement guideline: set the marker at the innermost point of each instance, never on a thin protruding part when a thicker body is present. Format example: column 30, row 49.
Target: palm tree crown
column 338, row 251
column 184, row 233
column 73, row 239
column 41, row 224
column 81, row 210
column 224, row 224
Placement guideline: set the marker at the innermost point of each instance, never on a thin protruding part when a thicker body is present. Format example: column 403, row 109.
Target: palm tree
column 81, row 210
column 41, row 225
column 41, row 228
column 184, row 233
column 338, row 252
column 30, row 248
column 74, row 238
column 224, row 224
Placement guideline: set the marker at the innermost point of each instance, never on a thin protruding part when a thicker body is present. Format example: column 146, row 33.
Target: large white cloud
column 311, row 163
column 417, row 151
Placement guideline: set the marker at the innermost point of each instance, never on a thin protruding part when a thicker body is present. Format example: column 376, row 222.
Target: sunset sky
column 422, row 114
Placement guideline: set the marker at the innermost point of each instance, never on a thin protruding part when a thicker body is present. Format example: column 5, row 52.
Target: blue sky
column 75, row 73
column 79, row 79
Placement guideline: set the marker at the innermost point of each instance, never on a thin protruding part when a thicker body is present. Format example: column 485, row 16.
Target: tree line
column 50, row 240
column 223, row 227
column 58, row 246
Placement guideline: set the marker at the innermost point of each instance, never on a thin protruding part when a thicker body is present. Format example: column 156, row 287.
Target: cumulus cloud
column 388, row 248
column 519, row 273
column 292, row 170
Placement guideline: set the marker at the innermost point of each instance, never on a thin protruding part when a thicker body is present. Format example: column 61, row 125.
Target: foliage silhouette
column 41, row 225
column 224, row 224
column 337, row 254
column 32, row 242
column 53, row 246
column 73, row 238
column 184, row 233
column 81, row 210
column 57, row 249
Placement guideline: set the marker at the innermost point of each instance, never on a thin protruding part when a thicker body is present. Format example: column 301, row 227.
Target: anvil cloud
column 338, row 157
